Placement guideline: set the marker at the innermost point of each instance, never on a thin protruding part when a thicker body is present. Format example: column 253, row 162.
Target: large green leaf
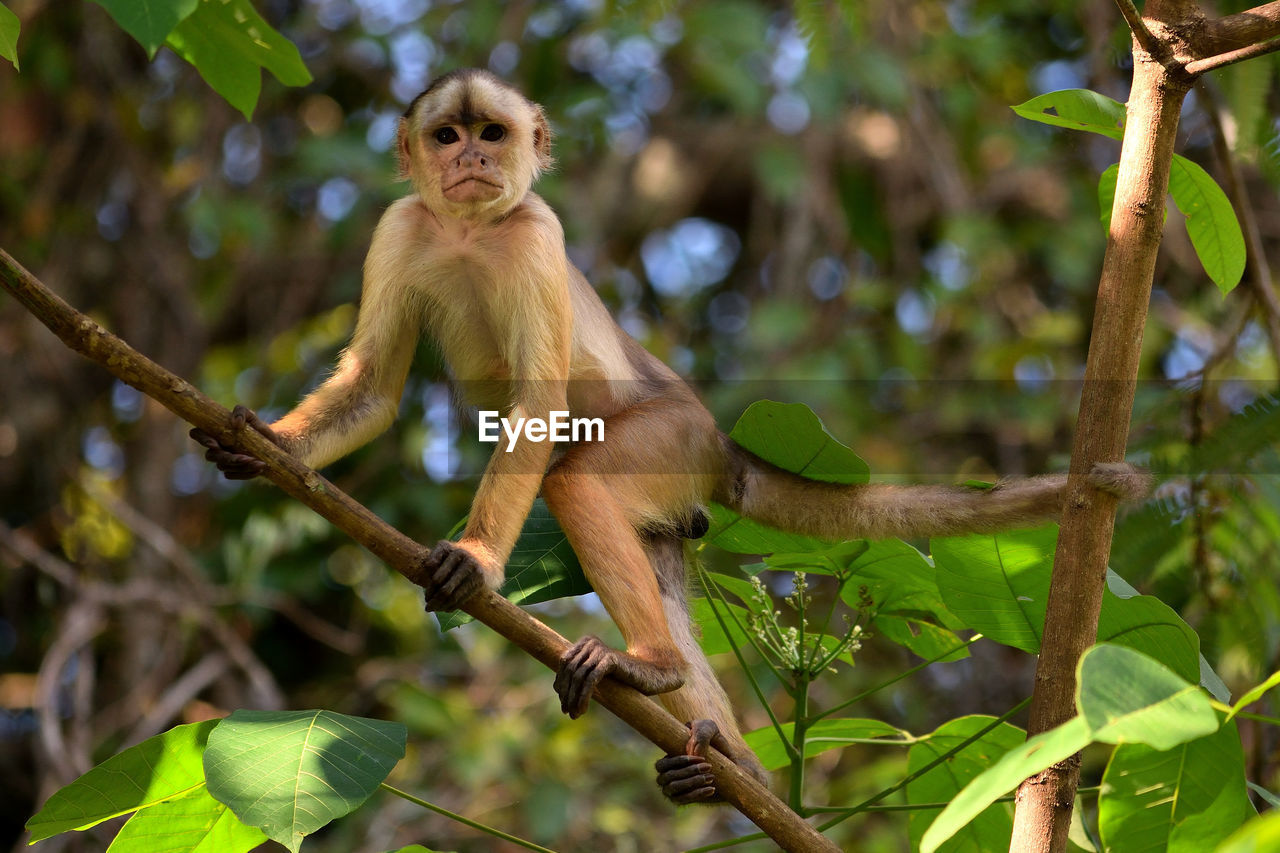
column 228, row 42
column 822, row 736
column 1211, row 222
column 291, row 772
column 160, row 768
column 9, row 29
column 1077, row 109
column 1128, row 697
column 149, row 21
column 990, row 830
column 542, row 566
column 999, row 585
column 1029, row 758
column 715, row 639
column 792, row 437
column 1147, row 624
column 193, row 823
column 1260, row 835
column 1122, row 696
column 1194, row 792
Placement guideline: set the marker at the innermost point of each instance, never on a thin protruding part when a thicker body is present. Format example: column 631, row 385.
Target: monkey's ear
column 402, row 149
column 542, row 138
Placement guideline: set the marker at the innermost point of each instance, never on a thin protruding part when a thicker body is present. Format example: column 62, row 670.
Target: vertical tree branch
column 1043, row 813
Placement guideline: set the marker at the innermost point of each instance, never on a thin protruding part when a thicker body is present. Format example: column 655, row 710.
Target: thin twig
column 1259, row 268
column 1198, row 67
column 1145, row 38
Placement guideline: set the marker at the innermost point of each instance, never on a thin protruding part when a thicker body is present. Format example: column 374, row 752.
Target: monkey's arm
column 360, row 398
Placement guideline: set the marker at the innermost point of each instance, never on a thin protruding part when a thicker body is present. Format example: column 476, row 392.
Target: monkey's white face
column 473, row 147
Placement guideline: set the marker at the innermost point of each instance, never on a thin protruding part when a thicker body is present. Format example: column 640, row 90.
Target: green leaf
column 1077, row 109
column 193, row 823
column 9, row 28
column 1195, row 790
column 149, row 21
column 291, row 772
column 1266, row 796
column 228, row 42
column 1031, row 757
column 714, row 639
column 792, row 437
column 1260, row 835
column 1127, row 697
column 922, row 637
column 822, row 736
column 998, row 585
column 1211, row 222
column 1148, row 625
column 900, row 580
column 1107, row 183
column 160, row 768
column 989, row 830
column 542, row 566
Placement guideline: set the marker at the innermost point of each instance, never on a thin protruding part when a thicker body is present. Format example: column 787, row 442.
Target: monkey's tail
column 766, row 493
column 701, row 697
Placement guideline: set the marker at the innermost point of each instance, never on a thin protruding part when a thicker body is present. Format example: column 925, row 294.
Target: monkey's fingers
column 686, row 779
column 582, row 667
column 242, row 416
column 452, row 576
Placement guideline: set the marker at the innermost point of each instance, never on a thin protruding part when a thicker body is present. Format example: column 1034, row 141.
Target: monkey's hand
column 451, row 574
column 233, row 462
column 589, row 660
column 687, row 778
column 1124, row 481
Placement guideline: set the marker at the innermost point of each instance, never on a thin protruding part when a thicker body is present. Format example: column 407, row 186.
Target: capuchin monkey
column 477, row 261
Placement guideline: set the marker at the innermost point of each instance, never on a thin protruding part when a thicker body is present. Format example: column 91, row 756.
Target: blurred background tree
column 836, row 208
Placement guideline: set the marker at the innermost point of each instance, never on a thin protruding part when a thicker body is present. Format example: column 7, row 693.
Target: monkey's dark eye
column 492, row 132
column 446, row 136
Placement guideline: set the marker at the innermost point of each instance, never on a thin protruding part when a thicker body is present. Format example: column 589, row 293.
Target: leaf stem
column 488, row 830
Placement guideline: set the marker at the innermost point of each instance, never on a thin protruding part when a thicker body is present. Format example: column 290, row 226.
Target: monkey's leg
column 701, row 701
column 614, row 562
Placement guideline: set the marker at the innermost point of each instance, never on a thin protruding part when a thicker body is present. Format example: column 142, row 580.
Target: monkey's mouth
column 471, row 179
column 472, row 188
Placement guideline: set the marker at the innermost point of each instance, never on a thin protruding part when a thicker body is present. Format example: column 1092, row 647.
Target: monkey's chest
column 463, row 327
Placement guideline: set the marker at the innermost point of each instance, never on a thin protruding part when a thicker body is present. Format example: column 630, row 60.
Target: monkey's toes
column 449, row 576
column 582, row 667
column 686, row 779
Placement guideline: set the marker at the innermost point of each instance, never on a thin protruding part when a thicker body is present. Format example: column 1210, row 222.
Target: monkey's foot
column 589, row 660
column 1124, row 481
column 687, row 778
column 234, row 463
column 449, row 575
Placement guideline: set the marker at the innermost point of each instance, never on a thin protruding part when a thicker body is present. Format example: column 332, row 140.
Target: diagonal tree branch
column 86, row 337
column 1261, row 23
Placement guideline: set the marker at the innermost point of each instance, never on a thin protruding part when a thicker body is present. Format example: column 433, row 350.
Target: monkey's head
column 472, row 145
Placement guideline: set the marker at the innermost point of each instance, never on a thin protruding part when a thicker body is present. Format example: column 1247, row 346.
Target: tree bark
column 1044, row 803
column 86, row 337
